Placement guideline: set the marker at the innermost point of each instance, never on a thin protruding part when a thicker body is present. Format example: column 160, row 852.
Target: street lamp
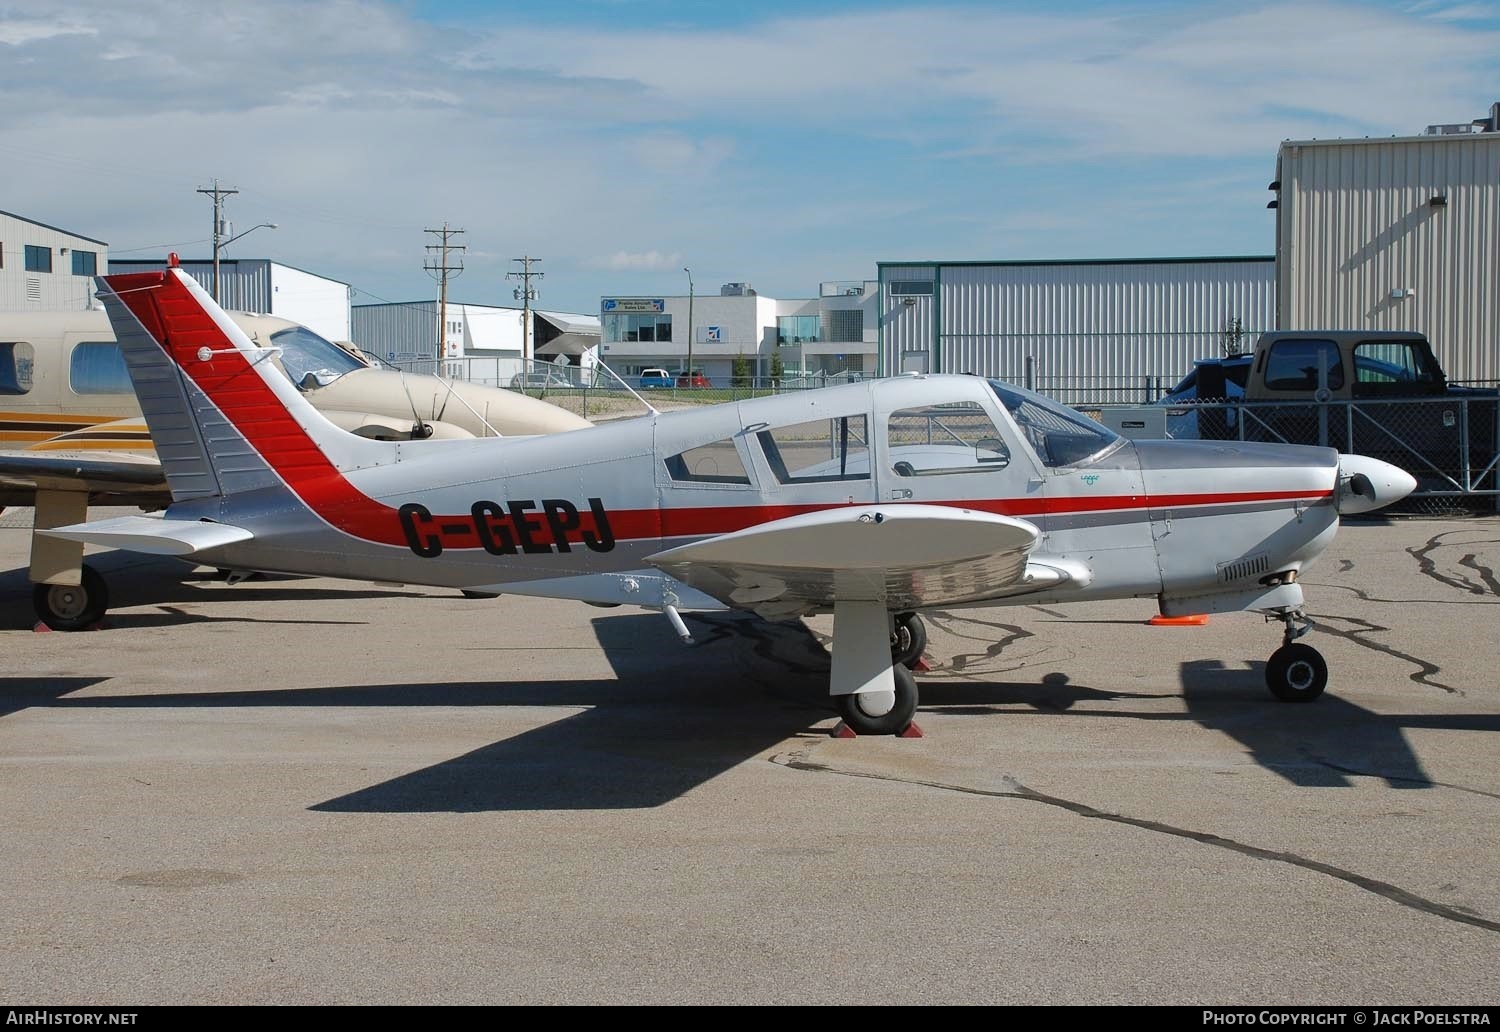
column 219, row 245
column 690, row 323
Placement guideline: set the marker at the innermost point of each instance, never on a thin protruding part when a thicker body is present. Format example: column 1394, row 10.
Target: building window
column 901, row 288
column 97, row 367
column 38, row 258
column 16, row 360
column 818, row 452
column 85, row 263
column 846, row 326
column 636, row 326
column 797, row 329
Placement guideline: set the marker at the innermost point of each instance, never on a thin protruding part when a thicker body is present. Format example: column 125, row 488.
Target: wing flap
column 153, row 536
column 906, row 556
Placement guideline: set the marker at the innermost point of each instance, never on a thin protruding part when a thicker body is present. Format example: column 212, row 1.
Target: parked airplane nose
column 1366, row 484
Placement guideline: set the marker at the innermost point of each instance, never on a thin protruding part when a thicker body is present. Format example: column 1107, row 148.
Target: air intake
column 1244, row 569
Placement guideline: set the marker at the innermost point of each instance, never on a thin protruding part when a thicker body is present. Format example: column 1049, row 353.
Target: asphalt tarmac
column 311, row 791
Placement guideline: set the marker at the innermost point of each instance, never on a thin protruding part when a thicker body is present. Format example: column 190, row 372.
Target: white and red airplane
column 873, row 501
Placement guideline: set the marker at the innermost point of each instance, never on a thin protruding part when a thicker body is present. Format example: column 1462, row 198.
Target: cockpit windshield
column 1061, row 436
column 304, row 354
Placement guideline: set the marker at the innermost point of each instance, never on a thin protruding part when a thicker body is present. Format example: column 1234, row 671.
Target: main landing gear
column 72, row 607
column 1295, row 672
column 873, row 652
column 908, row 639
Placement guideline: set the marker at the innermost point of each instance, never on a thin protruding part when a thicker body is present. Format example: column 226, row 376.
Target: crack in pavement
column 1365, row 596
column 1425, row 668
column 1427, row 566
column 1393, row 893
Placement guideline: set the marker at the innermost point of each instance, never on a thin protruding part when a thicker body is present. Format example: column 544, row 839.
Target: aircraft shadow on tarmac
column 1319, row 745
column 672, row 718
column 136, row 581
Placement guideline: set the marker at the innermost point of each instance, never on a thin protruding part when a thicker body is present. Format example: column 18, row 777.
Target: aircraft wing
column 117, row 479
column 906, row 556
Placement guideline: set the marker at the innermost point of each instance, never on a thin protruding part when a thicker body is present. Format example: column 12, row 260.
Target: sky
column 775, row 143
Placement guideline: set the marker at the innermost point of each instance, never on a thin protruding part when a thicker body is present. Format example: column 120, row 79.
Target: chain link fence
column 1449, row 444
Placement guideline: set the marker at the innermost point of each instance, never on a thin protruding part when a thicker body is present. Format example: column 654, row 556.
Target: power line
column 437, row 265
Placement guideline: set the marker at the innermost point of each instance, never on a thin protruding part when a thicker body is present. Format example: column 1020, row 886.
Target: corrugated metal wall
column 395, row 331
column 1089, row 320
column 244, row 285
column 1357, row 224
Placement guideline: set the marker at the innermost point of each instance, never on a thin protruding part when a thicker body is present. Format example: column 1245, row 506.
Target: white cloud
column 778, row 151
column 16, row 31
column 639, row 261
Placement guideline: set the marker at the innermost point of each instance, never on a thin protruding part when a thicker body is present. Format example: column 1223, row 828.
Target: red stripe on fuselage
column 171, row 314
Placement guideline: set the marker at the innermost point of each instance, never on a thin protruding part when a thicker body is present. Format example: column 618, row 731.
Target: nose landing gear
column 1295, row 672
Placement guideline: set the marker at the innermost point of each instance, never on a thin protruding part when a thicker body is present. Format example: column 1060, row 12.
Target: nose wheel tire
column 70, row 607
column 1296, row 673
column 881, row 713
column 908, row 639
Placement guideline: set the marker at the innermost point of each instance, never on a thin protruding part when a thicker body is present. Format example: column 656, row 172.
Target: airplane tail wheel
column 882, row 713
column 67, row 607
column 908, row 639
column 1296, row 673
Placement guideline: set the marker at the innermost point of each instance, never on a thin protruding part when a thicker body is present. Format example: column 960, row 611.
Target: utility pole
column 437, row 264
column 526, row 294
column 690, row 323
column 218, row 196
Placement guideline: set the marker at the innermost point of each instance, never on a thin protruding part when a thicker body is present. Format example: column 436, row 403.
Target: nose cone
column 1366, row 484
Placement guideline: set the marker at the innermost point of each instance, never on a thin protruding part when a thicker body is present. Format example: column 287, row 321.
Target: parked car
column 693, row 379
column 538, row 378
column 656, row 379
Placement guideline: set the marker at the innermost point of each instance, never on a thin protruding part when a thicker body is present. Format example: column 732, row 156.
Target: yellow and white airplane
column 71, row 432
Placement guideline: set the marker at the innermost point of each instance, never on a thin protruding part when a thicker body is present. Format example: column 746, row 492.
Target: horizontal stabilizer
column 153, row 536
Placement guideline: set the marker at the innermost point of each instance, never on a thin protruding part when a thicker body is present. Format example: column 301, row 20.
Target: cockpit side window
column 1061, row 436
column 819, row 451
column 958, row 437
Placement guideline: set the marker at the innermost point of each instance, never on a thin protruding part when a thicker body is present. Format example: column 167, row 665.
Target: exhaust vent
column 1244, row 569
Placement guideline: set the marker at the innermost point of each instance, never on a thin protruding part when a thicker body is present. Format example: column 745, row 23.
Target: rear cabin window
column 714, row 463
column 1382, row 367
column 1294, row 365
column 97, row 367
column 958, row 437
column 819, row 451
column 16, row 363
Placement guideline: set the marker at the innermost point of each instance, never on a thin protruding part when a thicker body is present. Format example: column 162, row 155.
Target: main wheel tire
column 908, row 639
column 882, row 713
column 68, row 607
column 1296, row 673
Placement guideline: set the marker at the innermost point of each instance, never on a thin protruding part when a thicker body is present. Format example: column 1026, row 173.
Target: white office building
column 833, row 333
column 43, row 268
